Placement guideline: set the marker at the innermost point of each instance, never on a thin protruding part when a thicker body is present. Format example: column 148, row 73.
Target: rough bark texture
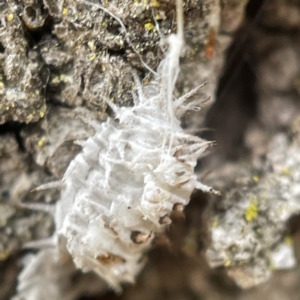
column 56, row 57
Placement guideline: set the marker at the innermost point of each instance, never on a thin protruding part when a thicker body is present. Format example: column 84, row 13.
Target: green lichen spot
column 251, row 211
column 29, row 118
column 286, row 171
column 149, row 26
column 41, row 142
column 10, row 17
column 65, row 12
column 227, row 263
column 154, row 4
column 288, row 240
column 272, row 267
column 56, row 80
column 92, row 56
column 42, row 111
column 215, row 223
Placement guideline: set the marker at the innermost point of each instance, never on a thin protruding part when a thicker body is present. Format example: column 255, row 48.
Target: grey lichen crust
column 70, row 52
column 21, row 72
column 251, row 228
column 251, row 237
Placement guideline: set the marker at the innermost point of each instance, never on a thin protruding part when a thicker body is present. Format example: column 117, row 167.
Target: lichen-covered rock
column 250, row 237
column 21, row 71
column 73, row 65
column 250, row 226
column 85, row 55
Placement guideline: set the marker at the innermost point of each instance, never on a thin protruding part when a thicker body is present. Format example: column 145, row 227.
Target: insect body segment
column 138, row 161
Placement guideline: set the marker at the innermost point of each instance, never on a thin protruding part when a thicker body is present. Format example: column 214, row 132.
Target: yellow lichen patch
column 160, row 15
column 255, row 178
column 65, row 11
column 64, row 78
column 227, row 263
column 286, row 171
column 251, row 212
column 42, row 111
column 272, row 267
column 29, row 118
column 41, row 142
column 92, row 56
column 10, row 17
column 288, row 240
column 3, row 254
column 215, row 223
column 149, row 26
column 154, row 3
column 1, row 85
column 55, row 80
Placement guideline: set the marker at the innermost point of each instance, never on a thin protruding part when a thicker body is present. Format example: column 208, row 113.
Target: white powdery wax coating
column 119, row 191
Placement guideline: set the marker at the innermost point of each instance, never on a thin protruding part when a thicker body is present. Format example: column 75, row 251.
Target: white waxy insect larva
column 119, row 192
